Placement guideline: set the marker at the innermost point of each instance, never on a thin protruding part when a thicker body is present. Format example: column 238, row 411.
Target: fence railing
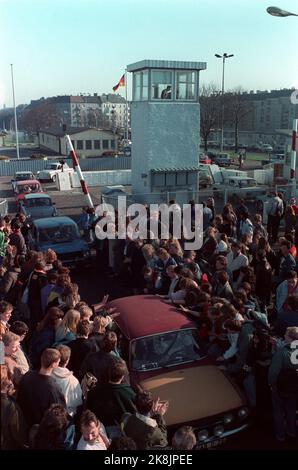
column 8, row 168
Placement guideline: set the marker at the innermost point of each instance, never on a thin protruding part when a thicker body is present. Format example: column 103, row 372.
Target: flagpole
column 126, row 106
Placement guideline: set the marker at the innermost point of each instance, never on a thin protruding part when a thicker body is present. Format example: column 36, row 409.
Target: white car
column 51, row 170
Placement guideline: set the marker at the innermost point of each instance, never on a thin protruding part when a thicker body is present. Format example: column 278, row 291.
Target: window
column 161, row 87
column 185, row 85
column 140, row 86
column 97, row 144
column 79, row 145
column 105, row 144
column 88, row 144
column 112, row 144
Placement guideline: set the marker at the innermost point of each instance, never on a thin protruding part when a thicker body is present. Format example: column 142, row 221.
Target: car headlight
column 228, row 418
column 203, row 435
column 218, row 430
column 242, row 413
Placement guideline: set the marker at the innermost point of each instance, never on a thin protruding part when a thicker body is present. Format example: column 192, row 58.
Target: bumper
column 215, row 441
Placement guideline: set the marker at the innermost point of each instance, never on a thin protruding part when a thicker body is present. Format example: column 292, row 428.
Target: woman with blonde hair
column 67, row 330
column 149, row 255
column 98, row 331
column 50, row 258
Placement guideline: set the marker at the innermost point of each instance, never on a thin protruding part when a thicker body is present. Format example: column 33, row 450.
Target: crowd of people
column 64, row 382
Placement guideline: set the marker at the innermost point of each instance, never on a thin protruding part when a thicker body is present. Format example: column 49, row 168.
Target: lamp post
column 223, row 57
column 275, row 11
column 15, row 113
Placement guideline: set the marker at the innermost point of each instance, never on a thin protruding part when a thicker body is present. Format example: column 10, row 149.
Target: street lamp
column 223, row 57
column 275, row 11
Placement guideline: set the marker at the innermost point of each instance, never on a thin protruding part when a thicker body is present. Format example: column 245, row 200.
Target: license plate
column 210, row 445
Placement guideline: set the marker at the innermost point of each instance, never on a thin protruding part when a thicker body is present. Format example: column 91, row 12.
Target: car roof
column 24, row 182
column 53, row 222
column 23, row 172
column 145, row 315
column 36, row 195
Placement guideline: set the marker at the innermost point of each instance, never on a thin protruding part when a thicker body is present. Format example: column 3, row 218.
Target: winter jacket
column 8, row 282
column 246, row 227
column 109, row 402
column 146, row 432
column 3, row 243
column 14, row 431
column 281, row 360
column 287, row 264
column 35, row 395
column 282, row 294
column 70, row 388
column 40, row 341
column 18, row 241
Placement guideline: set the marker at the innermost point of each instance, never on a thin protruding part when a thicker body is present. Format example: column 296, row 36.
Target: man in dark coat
column 38, row 390
column 109, row 401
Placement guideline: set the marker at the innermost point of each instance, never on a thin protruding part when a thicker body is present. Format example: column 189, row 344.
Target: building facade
column 87, row 142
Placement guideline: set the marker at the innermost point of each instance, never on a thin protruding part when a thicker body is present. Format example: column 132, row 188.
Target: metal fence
column 8, row 168
column 3, row 208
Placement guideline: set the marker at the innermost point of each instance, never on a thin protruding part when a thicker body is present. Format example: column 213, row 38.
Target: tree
column 210, row 111
column 236, row 108
column 40, row 117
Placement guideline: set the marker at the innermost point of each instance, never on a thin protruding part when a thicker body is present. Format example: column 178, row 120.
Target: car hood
column 194, row 393
column 63, row 248
column 39, row 212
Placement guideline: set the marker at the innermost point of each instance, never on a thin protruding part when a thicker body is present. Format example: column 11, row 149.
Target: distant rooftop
column 166, row 64
column 58, row 131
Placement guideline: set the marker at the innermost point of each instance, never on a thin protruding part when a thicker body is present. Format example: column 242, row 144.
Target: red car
column 26, row 187
column 162, row 349
column 205, row 159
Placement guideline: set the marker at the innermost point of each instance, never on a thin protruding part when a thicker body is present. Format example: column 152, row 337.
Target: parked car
column 37, row 206
column 222, row 159
column 52, row 169
column 63, row 236
column 26, row 187
column 21, row 176
column 38, row 156
column 240, row 181
column 109, row 153
column 162, row 348
column 203, row 158
column 277, row 158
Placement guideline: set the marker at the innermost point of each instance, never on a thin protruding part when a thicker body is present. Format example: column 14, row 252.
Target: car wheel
column 54, row 177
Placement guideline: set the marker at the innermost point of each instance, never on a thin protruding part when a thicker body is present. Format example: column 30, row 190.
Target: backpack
column 287, row 382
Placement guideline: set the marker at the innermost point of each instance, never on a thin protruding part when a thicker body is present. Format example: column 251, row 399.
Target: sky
column 62, row 47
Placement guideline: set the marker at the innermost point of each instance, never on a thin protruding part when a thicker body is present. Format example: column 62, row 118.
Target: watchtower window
column 161, row 85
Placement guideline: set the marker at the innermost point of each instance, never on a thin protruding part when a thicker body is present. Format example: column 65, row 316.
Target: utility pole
column 15, row 113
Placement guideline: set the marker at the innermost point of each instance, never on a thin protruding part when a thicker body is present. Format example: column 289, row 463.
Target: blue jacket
column 282, row 294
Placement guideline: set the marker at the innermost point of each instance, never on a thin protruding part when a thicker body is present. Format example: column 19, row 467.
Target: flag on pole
column 120, row 83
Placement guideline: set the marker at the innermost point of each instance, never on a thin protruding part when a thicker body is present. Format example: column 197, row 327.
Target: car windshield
column 24, row 176
column 28, row 188
column 52, row 166
column 165, row 350
column 38, row 202
column 59, row 234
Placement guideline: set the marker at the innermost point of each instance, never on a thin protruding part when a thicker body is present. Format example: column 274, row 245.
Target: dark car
column 162, row 348
column 222, row 159
column 62, row 235
column 37, row 206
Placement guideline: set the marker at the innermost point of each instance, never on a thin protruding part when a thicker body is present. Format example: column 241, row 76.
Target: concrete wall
column 164, row 135
column 103, row 178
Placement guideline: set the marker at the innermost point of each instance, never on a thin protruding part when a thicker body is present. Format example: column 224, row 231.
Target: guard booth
column 165, row 123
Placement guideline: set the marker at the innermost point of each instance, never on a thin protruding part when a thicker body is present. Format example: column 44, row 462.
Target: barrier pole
column 77, row 168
